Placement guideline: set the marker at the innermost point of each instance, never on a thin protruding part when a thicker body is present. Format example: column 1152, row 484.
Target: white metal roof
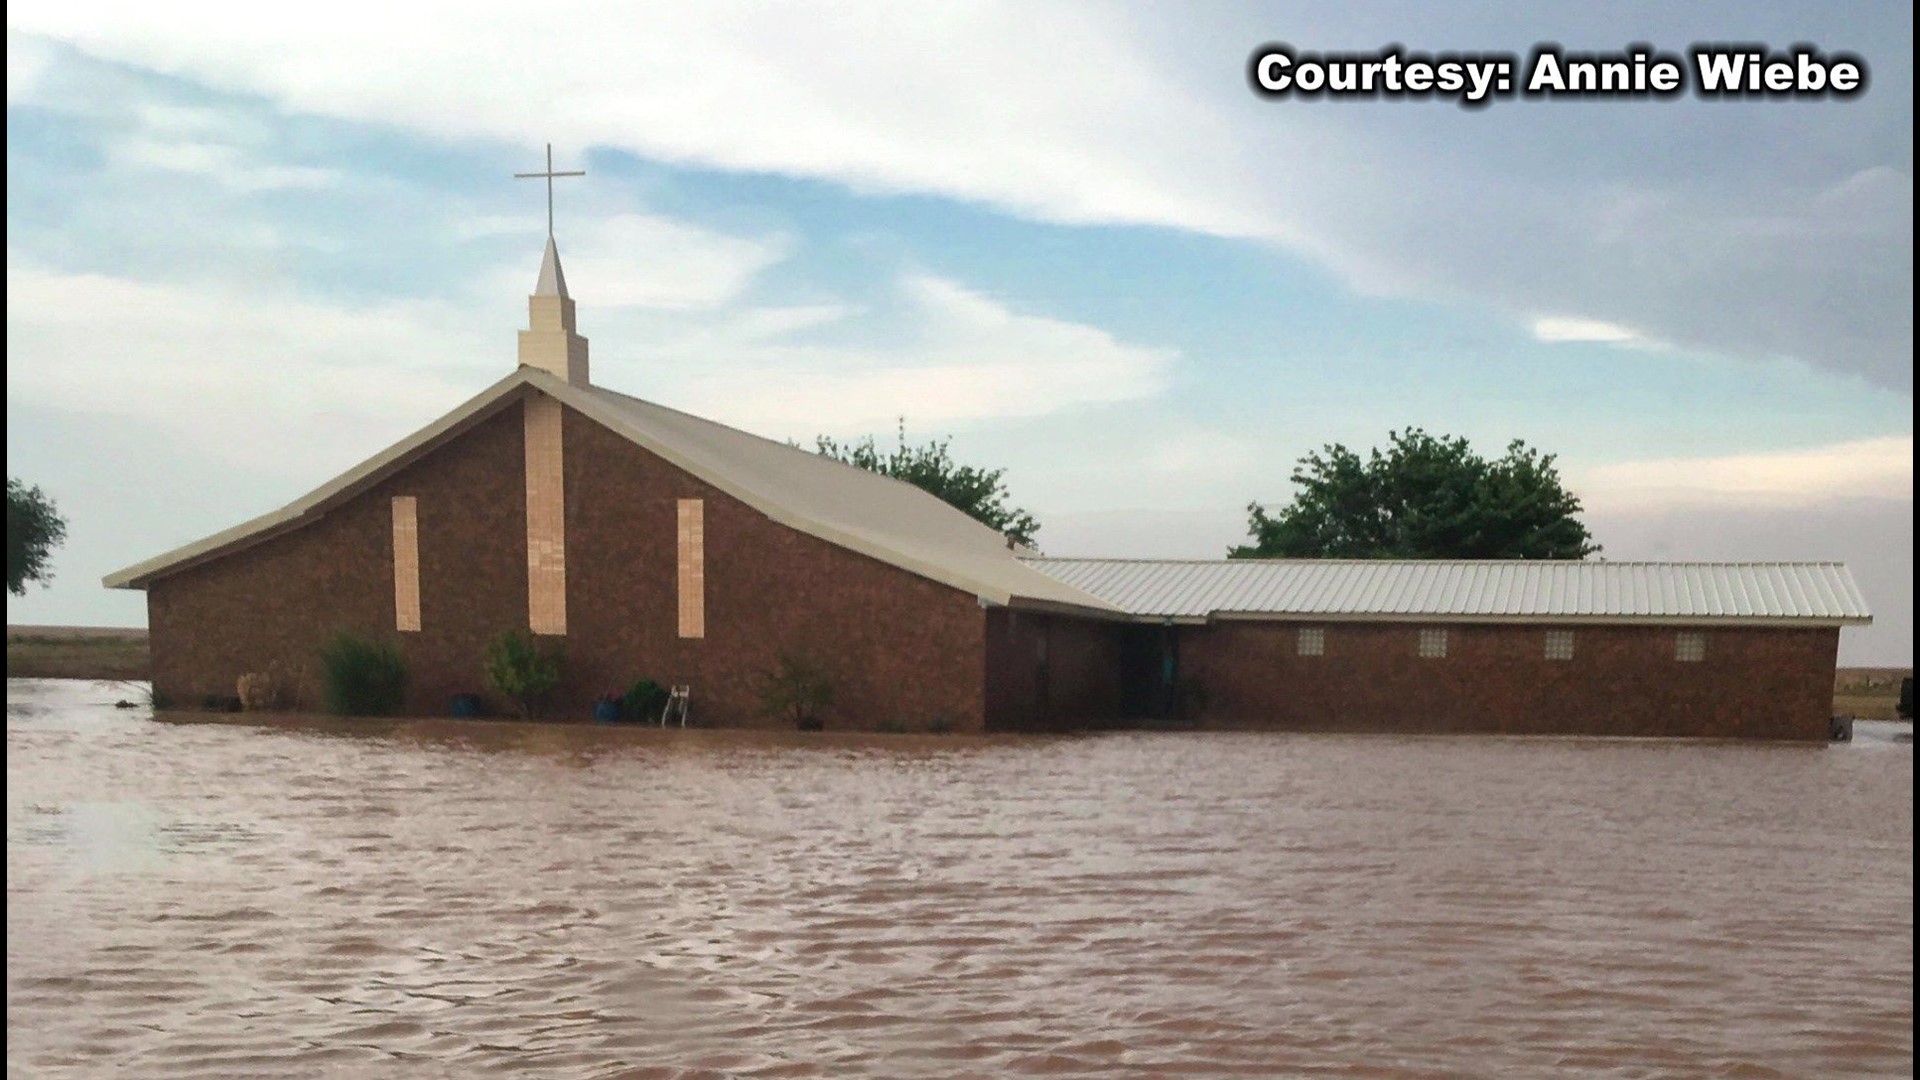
column 877, row 516
column 1494, row 590
column 888, row 519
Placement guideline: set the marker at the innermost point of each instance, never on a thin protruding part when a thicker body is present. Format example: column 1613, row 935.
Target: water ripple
column 300, row 897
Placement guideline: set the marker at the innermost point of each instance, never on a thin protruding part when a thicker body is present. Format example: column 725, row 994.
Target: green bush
column 363, row 677
column 798, row 690
column 644, row 700
column 524, row 672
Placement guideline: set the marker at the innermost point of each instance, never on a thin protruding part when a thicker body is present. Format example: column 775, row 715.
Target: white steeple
column 549, row 341
column 552, row 282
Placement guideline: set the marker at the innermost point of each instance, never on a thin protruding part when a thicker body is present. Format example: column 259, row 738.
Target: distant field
column 76, row 652
column 114, row 652
column 1868, row 693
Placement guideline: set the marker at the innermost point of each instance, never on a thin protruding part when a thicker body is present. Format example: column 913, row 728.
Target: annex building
column 661, row 545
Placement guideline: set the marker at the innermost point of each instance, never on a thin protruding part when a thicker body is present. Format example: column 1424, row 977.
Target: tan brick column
column 546, row 518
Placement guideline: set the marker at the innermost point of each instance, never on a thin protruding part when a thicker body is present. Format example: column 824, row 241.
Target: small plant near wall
column 362, row 677
column 523, row 671
column 799, row 691
column 644, row 701
column 608, row 709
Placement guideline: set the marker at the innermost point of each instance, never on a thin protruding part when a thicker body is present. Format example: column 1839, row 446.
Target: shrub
column 645, row 700
column 799, row 691
column 363, row 677
column 524, row 672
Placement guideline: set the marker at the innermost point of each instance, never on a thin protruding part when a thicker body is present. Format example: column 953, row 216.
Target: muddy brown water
column 309, row 897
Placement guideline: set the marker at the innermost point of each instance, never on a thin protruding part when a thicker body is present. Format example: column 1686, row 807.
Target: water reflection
column 292, row 896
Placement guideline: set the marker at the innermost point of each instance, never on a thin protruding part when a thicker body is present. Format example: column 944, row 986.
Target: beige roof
column 1503, row 590
column 886, row 519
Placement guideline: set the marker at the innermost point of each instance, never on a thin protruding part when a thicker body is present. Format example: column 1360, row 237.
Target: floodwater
column 310, row 897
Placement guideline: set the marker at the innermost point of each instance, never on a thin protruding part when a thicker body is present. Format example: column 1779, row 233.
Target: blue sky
column 244, row 254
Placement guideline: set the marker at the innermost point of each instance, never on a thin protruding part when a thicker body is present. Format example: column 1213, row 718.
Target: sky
column 248, row 248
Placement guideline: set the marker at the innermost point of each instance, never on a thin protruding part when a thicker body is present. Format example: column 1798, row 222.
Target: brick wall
column 1753, row 682
column 1051, row 672
column 278, row 601
column 900, row 650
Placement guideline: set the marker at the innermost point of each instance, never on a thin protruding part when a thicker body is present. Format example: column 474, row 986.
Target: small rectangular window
column 1433, row 643
column 1559, row 644
column 1313, row 642
column 1690, row 646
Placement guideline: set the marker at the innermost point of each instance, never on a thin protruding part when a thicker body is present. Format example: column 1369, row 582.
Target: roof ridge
column 1428, row 562
column 710, row 422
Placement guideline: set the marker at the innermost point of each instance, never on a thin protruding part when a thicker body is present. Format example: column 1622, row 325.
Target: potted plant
column 607, row 708
column 645, row 701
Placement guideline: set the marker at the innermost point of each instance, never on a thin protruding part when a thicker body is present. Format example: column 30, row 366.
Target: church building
column 661, row 545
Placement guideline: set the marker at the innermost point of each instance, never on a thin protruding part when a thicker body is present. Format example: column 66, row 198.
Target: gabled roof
column 886, row 519
column 1820, row 593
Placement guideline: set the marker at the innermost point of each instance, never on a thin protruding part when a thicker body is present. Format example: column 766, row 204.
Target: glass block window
column 1313, row 641
column 1559, row 644
column 1433, row 643
column 1690, row 646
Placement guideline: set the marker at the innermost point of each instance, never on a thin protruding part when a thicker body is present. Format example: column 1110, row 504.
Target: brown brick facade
column 1622, row 680
column 901, row 651
column 1051, row 672
column 277, row 602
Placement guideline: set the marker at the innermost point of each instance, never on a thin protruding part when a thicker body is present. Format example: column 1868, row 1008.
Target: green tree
column 979, row 493
column 34, row 529
column 1424, row 497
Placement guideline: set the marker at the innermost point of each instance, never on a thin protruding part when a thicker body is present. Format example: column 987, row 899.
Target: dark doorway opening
column 1149, row 671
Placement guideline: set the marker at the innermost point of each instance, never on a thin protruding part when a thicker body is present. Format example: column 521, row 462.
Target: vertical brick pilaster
column 406, row 563
column 546, row 518
column 692, row 547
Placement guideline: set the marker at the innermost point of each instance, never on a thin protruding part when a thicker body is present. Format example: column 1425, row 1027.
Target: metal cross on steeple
column 549, row 175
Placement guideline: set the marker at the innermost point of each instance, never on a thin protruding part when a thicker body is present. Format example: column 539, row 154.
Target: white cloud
column 229, row 166
column 1866, row 468
column 248, row 374
column 27, row 60
column 635, row 260
column 987, row 101
column 644, row 261
column 1560, row 329
column 1674, row 221
column 967, row 357
column 253, row 372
